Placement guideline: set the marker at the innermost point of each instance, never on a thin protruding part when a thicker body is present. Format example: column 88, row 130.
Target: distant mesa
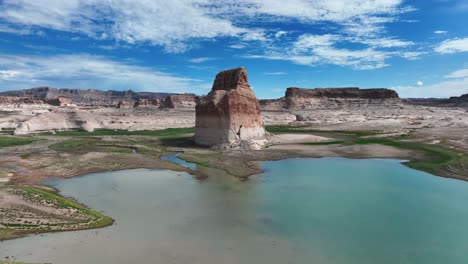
column 229, row 116
column 317, row 98
column 345, row 92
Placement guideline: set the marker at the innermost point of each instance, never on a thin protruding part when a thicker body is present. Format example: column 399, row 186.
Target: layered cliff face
column 181, row 101
column 302, row 98
column 10, row 102
column 86, row 97
column 229, row 116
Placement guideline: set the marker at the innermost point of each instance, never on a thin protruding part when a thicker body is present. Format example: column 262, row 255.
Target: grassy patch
column 34, row 195
column 326, row 143
column 436, row 157
column 15, row 141
column 100, row 219
column 83, row 145
column 305, row 130
column 75, row 145
column 169, row 132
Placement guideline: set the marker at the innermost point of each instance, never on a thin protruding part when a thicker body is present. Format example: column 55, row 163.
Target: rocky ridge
column 90, row 97
column 454, row 101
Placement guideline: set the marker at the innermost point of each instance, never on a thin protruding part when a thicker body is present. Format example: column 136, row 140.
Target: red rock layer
column 230, row 113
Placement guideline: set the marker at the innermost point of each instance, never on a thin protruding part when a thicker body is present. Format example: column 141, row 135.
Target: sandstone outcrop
column 229, row 116
column 148, row 103
column 319, row 98
column 10, row 103
column 125, row 104
column 60, row 101
column 181, row 101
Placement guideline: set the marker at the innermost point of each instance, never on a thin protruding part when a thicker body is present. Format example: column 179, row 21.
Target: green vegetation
column 436, row 158
column 91, row 219
column 168, row 132
column 91, row 144
column 326, row 143
column 99, row 220
column 15, row 141
column 305, row 130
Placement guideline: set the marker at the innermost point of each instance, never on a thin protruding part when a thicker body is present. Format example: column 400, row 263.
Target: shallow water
column 175, row 159
column 321, row 211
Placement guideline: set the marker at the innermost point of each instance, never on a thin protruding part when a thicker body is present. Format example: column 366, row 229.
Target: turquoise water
column 323, row 211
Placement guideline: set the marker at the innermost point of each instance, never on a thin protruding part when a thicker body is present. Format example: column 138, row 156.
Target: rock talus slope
column 229, row 116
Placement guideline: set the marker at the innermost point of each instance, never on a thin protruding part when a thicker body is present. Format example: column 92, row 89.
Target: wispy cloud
column 172, row 24
column 238, row 46
column 178, row 25
column 452, row 46
column 463, row 73
column 202, row 59
column 276, row 73
column 314, row 50
column 440, row 32
column 84, row 70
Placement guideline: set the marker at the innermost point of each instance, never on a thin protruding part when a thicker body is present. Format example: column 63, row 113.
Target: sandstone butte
column 229, row 116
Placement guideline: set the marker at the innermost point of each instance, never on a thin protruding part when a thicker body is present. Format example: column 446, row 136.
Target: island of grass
column 30, row 210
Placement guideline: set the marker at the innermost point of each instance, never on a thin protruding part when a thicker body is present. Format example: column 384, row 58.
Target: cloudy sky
column 418, row 47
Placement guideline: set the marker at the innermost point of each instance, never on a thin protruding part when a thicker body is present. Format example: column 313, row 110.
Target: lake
column 321, row 211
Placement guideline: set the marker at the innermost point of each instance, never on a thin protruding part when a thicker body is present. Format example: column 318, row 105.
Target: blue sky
column 419, row 47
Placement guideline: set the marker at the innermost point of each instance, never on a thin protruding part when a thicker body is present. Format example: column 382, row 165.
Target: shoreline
column 76, row 156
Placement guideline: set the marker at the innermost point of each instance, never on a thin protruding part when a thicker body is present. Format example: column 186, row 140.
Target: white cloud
column 412, row 55
column 88, row 71
column 237, row 46
column 319, row 10
column 321, row 49
column 201, row 59
column 458, row 74
column 419, row 83
column 7, row 75
column 172, row 24
column 440, row 32
column 276, row 73
column 386, row 42
column 439, row 90
column 280, row 33
column 177, row 25
column 452, row 46
column 166, row 23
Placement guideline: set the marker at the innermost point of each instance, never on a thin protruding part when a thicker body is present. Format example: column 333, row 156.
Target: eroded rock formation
column 60, row 101
column 320, row 98
column 148, row 103
column 10, row 102
column 181, row 101
column 229, row 116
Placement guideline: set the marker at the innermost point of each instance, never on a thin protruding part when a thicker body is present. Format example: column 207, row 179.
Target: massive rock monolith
column 229, row 116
